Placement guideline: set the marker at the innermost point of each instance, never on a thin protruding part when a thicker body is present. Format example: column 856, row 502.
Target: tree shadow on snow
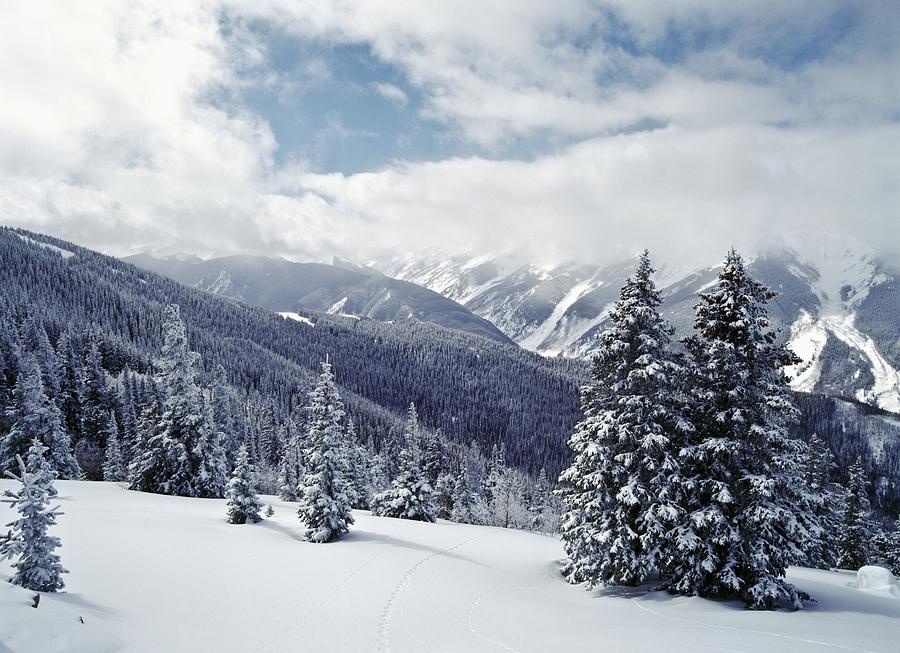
column 79, row 601
column 291, row 532
column 381, row 538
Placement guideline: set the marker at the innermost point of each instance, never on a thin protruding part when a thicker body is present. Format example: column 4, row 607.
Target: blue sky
column 568, row 129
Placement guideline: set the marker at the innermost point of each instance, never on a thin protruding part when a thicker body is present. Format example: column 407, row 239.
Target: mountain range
column 838, row 305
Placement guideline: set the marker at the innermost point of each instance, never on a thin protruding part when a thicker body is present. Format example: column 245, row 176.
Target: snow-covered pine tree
column 622, row 499
column 130, row 438
column 70, row 372
column 290, row 470
column 379, row 479
column 37, row 565
column 886, row 542
column 148, row 454
column 39, row 467
column 463, row 511
column 113, row 464
column 750, row 513
column 545, row 506
column 211, row 471
column 853, row 545
column 817, row 471
column 360, row 477
column 35, row 340
column 243, row 504
column 325, row 488
column 443, row 495
column 34, row 416
column 94, row 399
column 433, row 456
column 410, row 495
column 184, row 455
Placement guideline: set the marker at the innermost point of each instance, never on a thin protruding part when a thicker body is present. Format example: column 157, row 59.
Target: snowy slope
column 152, row 573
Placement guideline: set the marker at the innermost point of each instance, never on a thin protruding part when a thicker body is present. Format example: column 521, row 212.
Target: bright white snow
column 296, row 317
column 808, row 339
column 153, row 573
column 877, row 579
column 53, row 248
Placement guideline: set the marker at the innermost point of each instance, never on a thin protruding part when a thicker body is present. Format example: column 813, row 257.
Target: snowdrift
column 152, row 573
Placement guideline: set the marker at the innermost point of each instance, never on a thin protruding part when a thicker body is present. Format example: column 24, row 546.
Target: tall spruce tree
column 94, row 399
column 410, row 495
column 40, row 468
column 827, row 497
column 184, row 455
column 622, row 499
column 325, row 488
column 749, row 512
column 34, row 416
column 243, row 504
column 37, row 565
column 854, row 547
column 290, row 468
column 70, row 372
column 113, row 464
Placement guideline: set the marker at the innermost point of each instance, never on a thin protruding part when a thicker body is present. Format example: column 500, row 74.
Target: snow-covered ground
column 152, row 573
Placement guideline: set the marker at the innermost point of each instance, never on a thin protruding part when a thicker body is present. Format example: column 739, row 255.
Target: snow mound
column 877, row 579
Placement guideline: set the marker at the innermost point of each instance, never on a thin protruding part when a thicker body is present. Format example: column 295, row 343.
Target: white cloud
column 109, row 134
column 391, row 92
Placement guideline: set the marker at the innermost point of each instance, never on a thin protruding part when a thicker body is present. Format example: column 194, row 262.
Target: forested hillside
column 473, row 389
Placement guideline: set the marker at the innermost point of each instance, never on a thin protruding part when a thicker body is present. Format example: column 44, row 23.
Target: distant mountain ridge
column 341, row 288
column 838, row 305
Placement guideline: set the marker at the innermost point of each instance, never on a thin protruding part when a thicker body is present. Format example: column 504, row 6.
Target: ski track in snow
column 321, row 604
column 394, row 599
column 694, row 622
column 470, row 613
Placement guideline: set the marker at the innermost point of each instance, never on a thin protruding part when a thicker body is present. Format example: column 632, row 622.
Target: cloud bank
column 682, row 129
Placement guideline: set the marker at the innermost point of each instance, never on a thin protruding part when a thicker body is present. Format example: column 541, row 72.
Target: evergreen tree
column 113, row 464
column 34, row 416
column 39, row 467
column 379, row 478
column 750, row 513
column 35, row 340
column 185, row 454
column 623, row 499
column 854, row 547
column 360, row 477
column 208, row 456
column 443, row 495
column 130, row 437
column 432, row 456
column 223, row 401
column 887, row 544
column 94, row 400
column 290, row 468
column 10, row 355
column 826, row 503
column 37, row 567
column 70, row 372
column 243, row 504
column 463, row 511
column 148, row 460
column 410, row 495
column 325, row 489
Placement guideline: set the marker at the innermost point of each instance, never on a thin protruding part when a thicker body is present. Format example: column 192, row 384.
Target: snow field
column 154, row 573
